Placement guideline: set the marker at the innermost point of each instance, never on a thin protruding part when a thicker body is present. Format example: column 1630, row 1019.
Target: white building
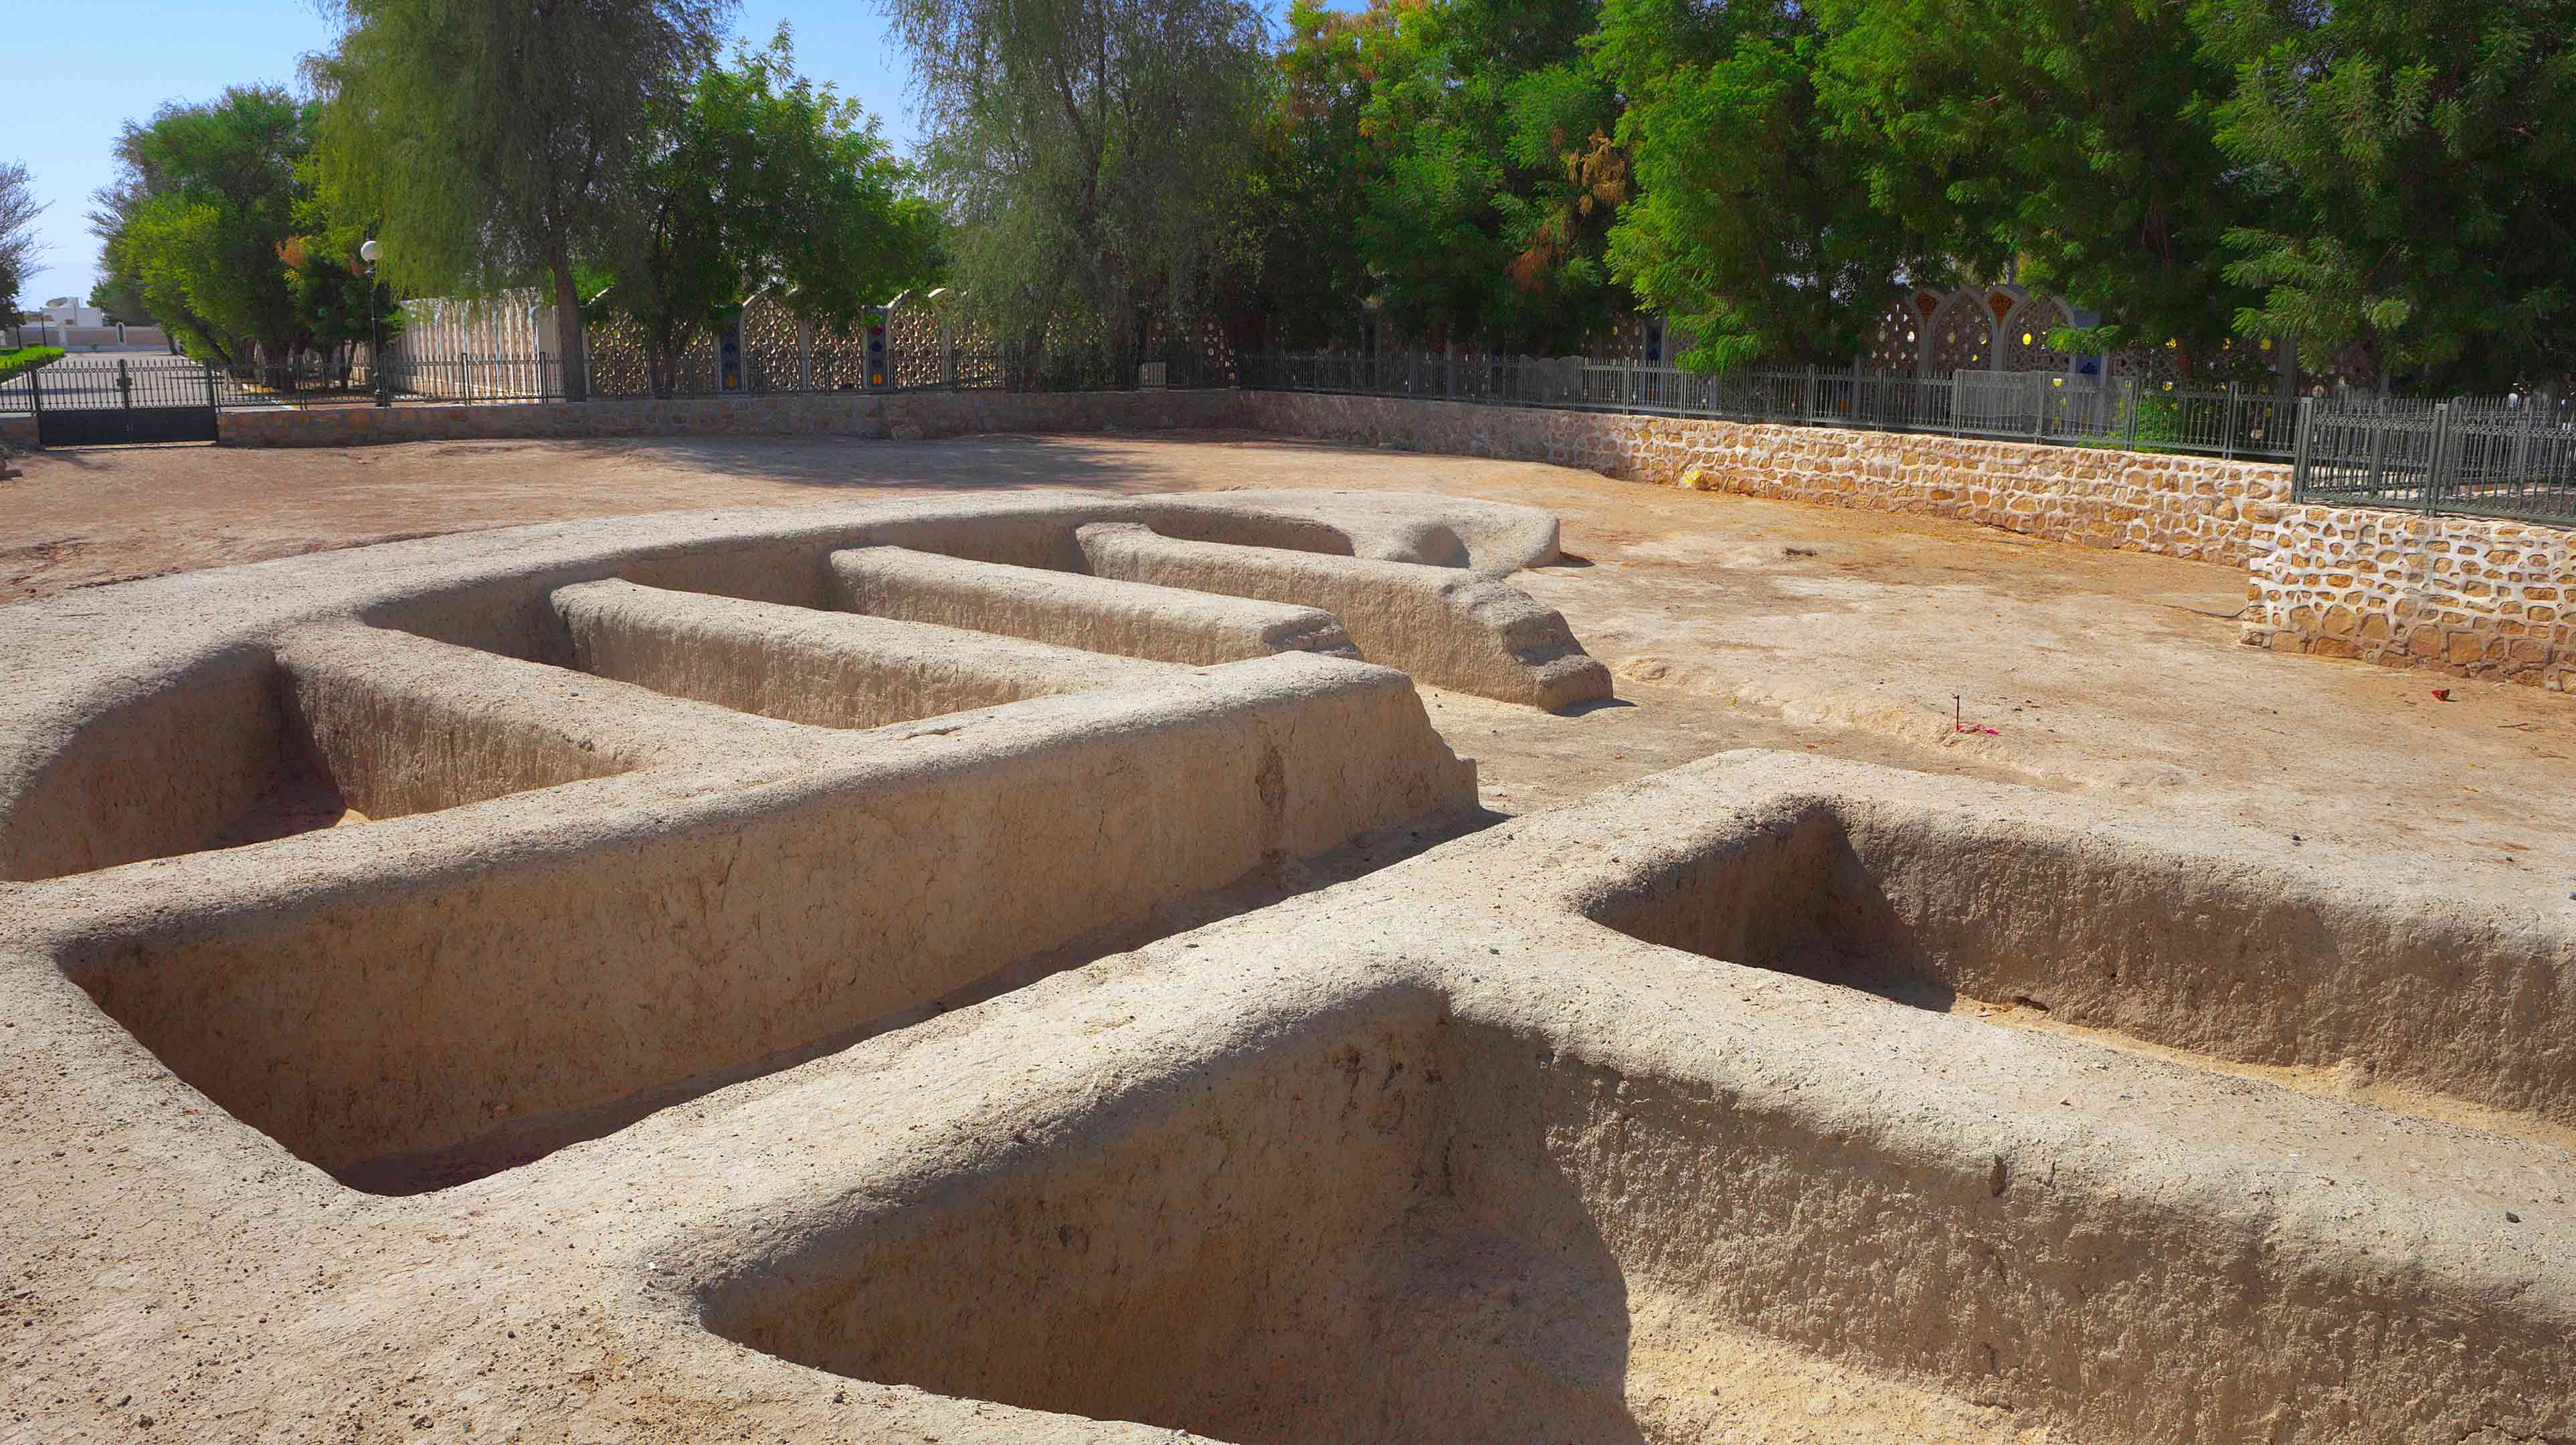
column 67, row 311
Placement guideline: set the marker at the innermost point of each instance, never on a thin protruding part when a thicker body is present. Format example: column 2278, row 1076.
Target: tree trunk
column 568, row 334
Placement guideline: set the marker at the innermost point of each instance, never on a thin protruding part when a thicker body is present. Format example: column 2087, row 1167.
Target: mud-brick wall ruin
column 2467, row 595
column 2200, row 507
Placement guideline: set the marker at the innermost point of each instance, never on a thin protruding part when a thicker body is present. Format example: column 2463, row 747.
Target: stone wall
column 2466, row 595
column 900, row 415
column 2180, row 506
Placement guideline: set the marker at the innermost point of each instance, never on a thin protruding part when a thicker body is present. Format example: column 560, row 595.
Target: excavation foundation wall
column 354, row 1016
column 2213, row 953
column 1437, row 1225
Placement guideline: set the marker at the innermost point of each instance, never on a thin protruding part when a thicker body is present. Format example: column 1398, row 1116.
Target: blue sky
column 81, row 70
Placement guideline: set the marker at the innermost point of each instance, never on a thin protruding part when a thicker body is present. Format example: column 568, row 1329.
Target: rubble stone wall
column 2467, row 595
column 2200, row 507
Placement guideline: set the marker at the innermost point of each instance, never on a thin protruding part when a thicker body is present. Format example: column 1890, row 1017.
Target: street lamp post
column 376, row 372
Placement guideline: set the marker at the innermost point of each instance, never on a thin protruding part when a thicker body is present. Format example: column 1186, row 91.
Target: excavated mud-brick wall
column 2467, row 595
column 2198, row 507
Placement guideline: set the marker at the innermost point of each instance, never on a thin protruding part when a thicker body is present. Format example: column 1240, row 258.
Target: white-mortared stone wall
column 2468, row 595
column 2200, row 507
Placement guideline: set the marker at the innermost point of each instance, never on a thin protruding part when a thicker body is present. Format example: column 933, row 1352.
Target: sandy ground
column 1730, row 622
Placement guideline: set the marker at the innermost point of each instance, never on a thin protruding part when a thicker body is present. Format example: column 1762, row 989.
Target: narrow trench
column 524, row 1141
column 1874, row 975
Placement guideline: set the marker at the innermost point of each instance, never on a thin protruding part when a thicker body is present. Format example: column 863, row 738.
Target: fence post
column 210, row 383
column 2301, row 450
column 36, row 400
column 2441, row 454
column 2378, row 444
column 1811, row 410
column 1449, row 375
column 2227, row 442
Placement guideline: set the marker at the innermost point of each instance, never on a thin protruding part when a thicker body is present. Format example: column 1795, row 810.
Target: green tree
column 1754, row 225
column 18, row 211
column 2070, row 136
column 1292, row 272
column 758, row 178
column 337, row 302
column 118, row 302
column 500, row 141
column 204, row 197
column 1485, row 180
column 1091, row 155
column 2416, row 165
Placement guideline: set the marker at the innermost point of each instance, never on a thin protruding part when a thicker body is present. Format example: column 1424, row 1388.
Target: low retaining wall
column 901, row 416
column 2180, row 506
column 2467, row 595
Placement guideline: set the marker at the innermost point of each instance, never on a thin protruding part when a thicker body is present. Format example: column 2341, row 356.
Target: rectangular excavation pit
column 397, row 725
column 1395, row 1224
column 2140, row 940
column 382, row 1013
column 332, row 723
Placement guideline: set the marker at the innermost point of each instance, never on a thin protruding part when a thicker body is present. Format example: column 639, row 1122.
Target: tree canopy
column 2385, row 183
column 204, row 197
column 758, row 179
column 499, row 142
column 18, row 211
column 1093, row 156
column 2414, row 163
column 2068, row 142
column 1754, row 225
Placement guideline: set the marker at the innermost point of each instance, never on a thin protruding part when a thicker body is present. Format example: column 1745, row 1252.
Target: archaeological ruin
column 1031, row 967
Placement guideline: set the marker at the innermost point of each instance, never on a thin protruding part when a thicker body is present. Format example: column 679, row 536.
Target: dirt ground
column 1730, row 622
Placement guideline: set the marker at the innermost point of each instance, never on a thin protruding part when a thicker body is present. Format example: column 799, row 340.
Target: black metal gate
column 92, row 401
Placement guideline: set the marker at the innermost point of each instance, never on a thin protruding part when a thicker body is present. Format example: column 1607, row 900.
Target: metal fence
column 2512, row 457
column 2017, row 406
